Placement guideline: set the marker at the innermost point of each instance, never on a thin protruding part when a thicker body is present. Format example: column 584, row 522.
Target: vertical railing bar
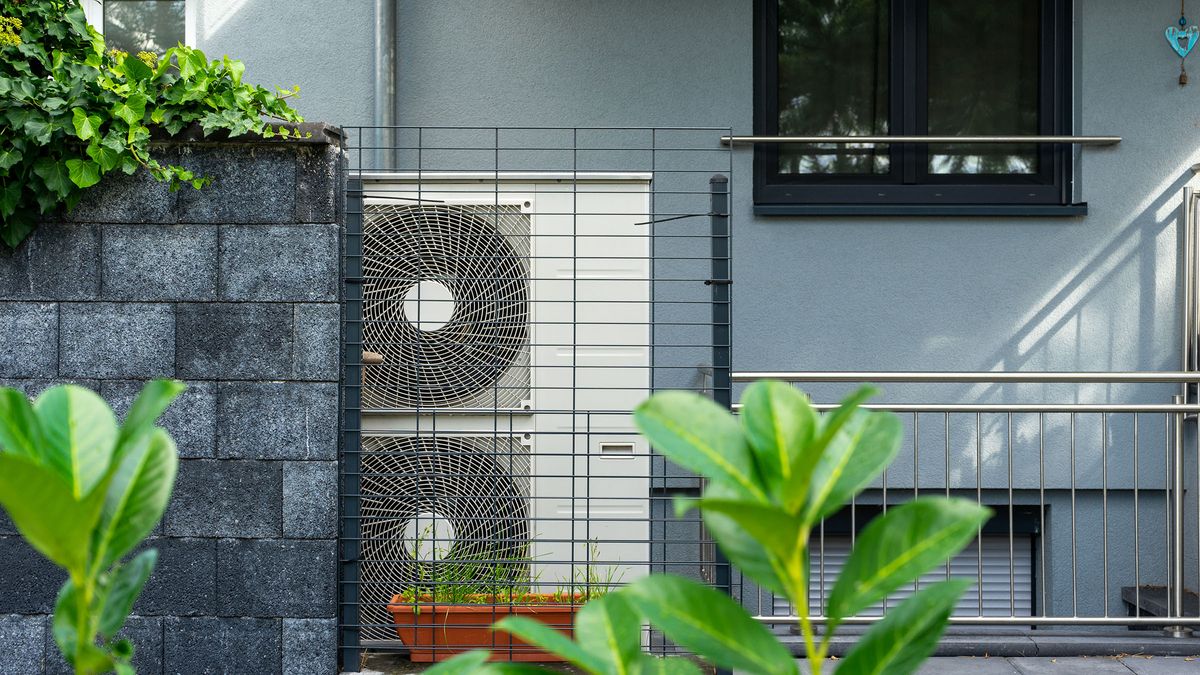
column 946, row 465
column 1104, row 499
column 1042, row 507
column 1177, row 533
column 1137, row 546
column 916, row 472
column 349, row 473
column 721, row 332
column 1074, row 551
column 979, row 500
column 1012, row 577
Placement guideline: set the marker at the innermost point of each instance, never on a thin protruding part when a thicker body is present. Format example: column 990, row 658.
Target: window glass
column 983, row 81
column 143, row 25
column 833, row 80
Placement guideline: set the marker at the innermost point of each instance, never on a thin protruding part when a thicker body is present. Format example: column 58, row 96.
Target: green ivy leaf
column 132, row 109
column 9, row 157
column 106, row 157
column 86, row 126
column 10, row 196
column 136, row 70
column 54, row 174
column 84, row 172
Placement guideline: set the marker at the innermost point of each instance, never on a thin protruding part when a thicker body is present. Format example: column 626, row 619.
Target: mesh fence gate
column 511, row 294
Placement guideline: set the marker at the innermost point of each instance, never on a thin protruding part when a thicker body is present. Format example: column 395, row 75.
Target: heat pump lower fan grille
column 464, row 269
column 434, row 506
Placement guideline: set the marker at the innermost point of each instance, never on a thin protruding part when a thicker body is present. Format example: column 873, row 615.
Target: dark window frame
column 900, row 191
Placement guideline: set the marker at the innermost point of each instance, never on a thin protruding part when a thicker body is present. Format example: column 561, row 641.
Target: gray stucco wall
column 820, row 293
column 234, row 290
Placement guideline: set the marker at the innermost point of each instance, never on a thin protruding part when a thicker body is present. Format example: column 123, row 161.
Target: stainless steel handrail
column 1124, row 377
column 1009, row 140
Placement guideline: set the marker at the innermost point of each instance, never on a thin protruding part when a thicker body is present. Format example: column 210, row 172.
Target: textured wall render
column 233, row 289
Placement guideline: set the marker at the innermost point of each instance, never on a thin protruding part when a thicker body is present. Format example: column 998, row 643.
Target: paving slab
column 1158, row 665
column 983, row 665
column 1069, row 665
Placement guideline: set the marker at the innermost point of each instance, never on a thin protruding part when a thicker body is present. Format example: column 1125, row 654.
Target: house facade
column 1054, row 242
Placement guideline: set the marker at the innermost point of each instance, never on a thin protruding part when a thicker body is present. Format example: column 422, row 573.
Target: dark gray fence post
column 350, row 524
column 722, row 385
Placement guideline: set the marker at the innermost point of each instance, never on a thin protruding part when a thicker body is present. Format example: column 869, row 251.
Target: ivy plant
column 772, row 477
column 84, row 492
column 72, row 111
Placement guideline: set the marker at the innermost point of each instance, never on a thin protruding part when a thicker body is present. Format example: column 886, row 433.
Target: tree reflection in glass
column 143, row 25
column 833, row 80
column 983, row 80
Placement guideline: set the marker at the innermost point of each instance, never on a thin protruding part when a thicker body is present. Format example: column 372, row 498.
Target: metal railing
column 1118, row 470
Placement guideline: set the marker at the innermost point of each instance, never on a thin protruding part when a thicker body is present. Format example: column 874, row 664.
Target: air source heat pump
column 512, row 313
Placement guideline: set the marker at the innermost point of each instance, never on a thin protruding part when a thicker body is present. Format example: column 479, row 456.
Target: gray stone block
column 250, row 184
column 277, row 420
column 184, row 582
column 318, row 183
column 234, row 341
column 277, row 578
column 22, row 644
column 138, row 198
column 225, row 499
column 212, row 646
column 160, row 262
column 117, row 340
column 30, row 581
column 318, row 342
column 29, row 333
column 33, row 388
column 310, row 646
column 57, row 262
column 191, row 418
column 310, row 507
column 279, row 262
column 146, row 634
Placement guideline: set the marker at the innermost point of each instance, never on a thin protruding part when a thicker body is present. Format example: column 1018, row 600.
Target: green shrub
column 71, row 112
column 84, row 492
column 773, row 476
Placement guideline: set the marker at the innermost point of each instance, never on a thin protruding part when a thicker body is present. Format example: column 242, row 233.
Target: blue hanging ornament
column 1182, row 40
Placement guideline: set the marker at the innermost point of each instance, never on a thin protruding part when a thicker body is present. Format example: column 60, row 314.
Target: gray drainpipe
column 385, row 83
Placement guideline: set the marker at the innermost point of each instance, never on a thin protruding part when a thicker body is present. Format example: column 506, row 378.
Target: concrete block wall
column 233, row 289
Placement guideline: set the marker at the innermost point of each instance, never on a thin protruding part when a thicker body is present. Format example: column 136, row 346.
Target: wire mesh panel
column 512, row 295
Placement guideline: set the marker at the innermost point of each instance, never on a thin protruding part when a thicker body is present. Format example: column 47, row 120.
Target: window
column 912, row 68
column 139, row 25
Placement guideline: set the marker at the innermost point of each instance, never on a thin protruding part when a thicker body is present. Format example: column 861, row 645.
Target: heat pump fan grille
column 430, row 504
column 446, row 302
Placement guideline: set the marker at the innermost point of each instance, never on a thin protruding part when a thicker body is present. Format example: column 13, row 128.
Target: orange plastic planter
column 435, row 632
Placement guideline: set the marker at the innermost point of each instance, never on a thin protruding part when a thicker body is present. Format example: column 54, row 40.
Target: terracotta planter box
column 435, row 632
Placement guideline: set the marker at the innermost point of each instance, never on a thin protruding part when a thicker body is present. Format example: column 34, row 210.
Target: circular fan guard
column 480, row 485
column 479, row 253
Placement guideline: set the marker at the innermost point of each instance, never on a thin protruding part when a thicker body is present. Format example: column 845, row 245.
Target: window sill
column 1004, row 210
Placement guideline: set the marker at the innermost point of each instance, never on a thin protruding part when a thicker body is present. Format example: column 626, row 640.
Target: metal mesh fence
column 511, row 296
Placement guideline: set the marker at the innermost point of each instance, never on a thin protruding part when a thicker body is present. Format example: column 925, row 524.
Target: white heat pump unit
column 512, row 314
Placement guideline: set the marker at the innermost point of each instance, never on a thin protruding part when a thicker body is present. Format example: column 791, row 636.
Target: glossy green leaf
column 609, row 629
column 86, row 126
column 20, row 431
column 123, row 588
column 476, row 663
column 657, row 665
column 149, row 405
column 141, row 487
column 743, row 550
column 83, row 172
column 136, row 70
column 40, row 503
column 235, row 69
column 104, row 156
column 778, row 532
column 780, row 424
column 79, row 431
column 899, row 546
column 538, row 634
column 860, row 450
column 64, row 626
column 700, row 435
column 907, row 635
column 709, row 624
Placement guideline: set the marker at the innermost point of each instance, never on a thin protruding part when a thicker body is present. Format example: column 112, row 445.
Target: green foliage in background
column 773, row 476
column 71, row 112
column 84, row 492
